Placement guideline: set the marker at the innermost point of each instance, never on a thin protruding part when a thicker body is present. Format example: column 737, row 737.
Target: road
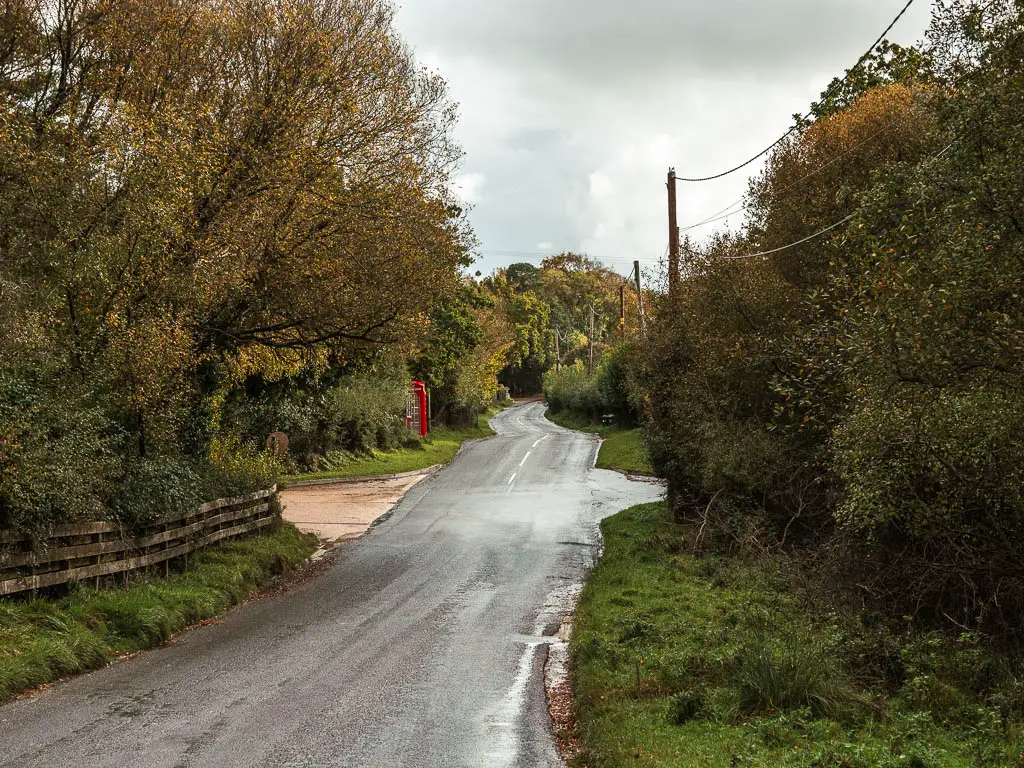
column 422, row 645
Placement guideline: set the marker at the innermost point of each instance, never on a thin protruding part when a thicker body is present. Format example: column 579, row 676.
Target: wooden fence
column 82, row 551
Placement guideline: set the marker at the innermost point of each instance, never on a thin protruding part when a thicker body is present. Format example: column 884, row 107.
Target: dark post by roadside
column 673, row 233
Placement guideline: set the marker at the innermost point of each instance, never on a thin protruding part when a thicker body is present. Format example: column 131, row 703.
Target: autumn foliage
column 197, row 196
column 856, row 399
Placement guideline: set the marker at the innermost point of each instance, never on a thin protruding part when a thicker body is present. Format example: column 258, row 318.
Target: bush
column 58, row 455
column 156, row 489
column 572, row 389
column 617, row 376
column 366, row 412
column 235, row 468
column 936, row 479
column 62, row 459
column 610, row 389
column 356, row 413
column 860, row 395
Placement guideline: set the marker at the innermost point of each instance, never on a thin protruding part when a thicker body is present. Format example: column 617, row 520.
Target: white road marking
column 540, row 441
column 525, row 458
column 503, row 722
column 511, row 479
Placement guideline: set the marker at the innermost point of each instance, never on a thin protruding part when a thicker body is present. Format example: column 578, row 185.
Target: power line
column 819, row 233
column 828, row 93
column 725, row 213
column 828, row 229
column 728, row 211
column 718, row 217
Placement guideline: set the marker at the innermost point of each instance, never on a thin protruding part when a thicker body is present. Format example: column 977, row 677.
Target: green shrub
column 58, row 454
column 366, row 413
column 617, row 375
column 156, row 489
column 936, row 476
column 235, row 468
column 355, row 413
column 572, row 389
column 610, row 389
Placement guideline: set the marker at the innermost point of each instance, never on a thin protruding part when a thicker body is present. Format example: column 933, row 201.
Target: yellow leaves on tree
column 192, row 180
column 812, row 181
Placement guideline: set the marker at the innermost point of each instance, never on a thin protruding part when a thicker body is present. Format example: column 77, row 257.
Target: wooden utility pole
column 673, row 233
column 639, row 298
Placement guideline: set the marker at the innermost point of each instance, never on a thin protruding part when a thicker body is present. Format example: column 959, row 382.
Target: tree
column 744, row 393
column 888, row 64
column 209, row 177
column 574, row 286
column 199, row 190
column 528, row 317
column 563, row 296
column 931, row 347
column 468, row 342
column 855, row 394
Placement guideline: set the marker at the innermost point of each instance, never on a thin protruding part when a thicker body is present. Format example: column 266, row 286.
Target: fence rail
column 80, row 551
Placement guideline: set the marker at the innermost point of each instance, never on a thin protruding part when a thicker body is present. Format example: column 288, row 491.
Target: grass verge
column 43, row 640
column 439, row 447
column 714, row 662
column 622, row 448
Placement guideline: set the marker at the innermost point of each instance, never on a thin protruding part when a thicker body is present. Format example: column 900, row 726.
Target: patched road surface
column 423, row 645
column 337, row 512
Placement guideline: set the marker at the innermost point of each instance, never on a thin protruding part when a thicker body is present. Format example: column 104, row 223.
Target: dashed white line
column 512, row 479
column 525, row 458
column 540, row 441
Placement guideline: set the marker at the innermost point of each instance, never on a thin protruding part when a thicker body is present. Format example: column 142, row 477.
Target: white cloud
column 469, row 185
column 573, row 111
column 601, row 186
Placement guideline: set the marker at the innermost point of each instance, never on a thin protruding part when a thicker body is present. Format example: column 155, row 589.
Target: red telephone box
column 416, row 416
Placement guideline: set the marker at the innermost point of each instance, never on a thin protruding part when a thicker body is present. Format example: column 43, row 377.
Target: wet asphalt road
column 423, row 645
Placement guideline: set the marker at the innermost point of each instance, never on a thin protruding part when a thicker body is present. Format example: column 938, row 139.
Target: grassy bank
column 43, row 640
column 439, row 447
column 714, row 662
column 622, row 448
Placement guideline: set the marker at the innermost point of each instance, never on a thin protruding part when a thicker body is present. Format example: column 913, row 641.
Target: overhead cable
column 728, row 211
column 810, row 113
column 819, row 233
column 826, row 230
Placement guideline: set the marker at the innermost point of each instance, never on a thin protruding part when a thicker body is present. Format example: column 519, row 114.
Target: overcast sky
column 572, row 111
